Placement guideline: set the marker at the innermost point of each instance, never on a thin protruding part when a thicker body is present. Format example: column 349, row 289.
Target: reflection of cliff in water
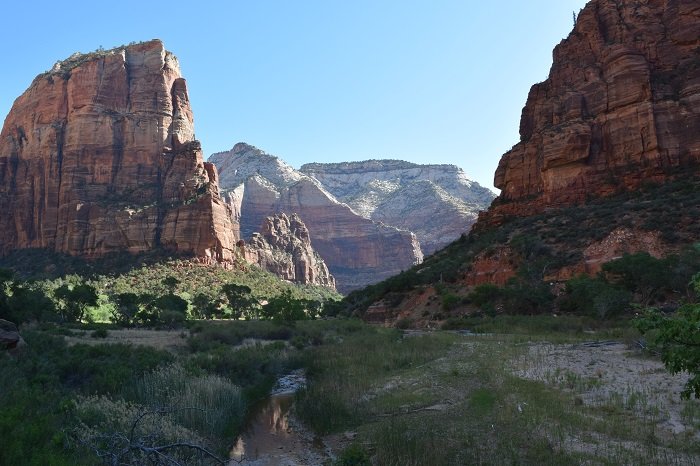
column 267, row 431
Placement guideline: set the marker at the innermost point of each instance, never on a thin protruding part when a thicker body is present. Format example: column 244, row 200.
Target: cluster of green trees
column 22, row 301
column 625, row 284
column 73, row 299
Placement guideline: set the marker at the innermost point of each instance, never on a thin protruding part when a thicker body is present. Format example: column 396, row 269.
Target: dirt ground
column 613, row 377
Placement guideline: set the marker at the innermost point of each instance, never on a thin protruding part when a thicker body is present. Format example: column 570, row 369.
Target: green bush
column 595, row 297
column 100, row 333
column 354, row 455
column 678, row 338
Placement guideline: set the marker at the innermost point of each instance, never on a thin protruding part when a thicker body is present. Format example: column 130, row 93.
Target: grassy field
column 446, row 398
column 524, row 391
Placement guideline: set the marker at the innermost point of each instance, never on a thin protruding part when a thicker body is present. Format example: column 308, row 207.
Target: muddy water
column 272, row 437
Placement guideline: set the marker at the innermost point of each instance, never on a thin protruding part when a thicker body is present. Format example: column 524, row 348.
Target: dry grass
column 498, row 399
column 170, row 340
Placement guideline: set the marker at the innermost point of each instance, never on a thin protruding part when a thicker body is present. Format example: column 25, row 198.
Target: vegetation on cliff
column 545, row 248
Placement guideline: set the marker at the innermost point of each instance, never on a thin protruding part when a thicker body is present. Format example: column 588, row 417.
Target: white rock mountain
column 368, row 220
column 357, row 250
column 436, row 202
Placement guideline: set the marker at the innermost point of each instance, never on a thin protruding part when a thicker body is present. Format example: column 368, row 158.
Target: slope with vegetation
column 543, row 258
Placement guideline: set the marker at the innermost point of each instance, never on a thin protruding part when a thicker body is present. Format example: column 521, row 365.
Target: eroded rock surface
column 621, row 107
column 358, row 251
column 436, row 202
column 283, row 246
column 99, row 155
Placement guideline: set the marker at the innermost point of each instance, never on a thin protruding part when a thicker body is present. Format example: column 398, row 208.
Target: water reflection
column 267, row 430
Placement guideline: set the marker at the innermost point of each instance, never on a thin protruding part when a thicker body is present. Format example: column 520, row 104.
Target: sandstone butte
column 621, row 106
column 99, row 155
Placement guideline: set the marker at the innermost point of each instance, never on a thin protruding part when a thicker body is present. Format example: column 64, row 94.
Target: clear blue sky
column 430, row 81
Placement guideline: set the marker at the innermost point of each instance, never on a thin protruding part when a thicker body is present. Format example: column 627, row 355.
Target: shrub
column 678, row 338
column 122, row 432
column 100, row 333
column 208, row 404
column 354, row 455
column 404, row 323
column 450, row 301
column 594, row 297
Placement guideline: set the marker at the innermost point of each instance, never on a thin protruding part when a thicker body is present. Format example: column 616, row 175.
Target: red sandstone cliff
column 99, row 155
column 621, row 106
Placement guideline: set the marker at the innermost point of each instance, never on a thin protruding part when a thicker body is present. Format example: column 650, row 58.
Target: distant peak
column 243, row 147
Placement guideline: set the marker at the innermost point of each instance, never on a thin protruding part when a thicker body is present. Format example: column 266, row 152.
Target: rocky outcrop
column 436, row 202
column 283, row 247
column 358, row 251
column 621, row 107
column 10, row 338
column 99, row 155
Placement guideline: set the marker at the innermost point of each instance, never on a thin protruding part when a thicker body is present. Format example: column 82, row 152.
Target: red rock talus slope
column 98, row 155
column 621, row 106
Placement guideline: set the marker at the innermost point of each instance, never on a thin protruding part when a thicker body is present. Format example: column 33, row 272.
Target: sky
column 428, row 81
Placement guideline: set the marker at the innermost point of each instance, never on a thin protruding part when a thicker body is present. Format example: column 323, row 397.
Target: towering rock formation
column 283, row 247
column 99, row 155
column 436, row 202
column 621, row 106
column 358, row 251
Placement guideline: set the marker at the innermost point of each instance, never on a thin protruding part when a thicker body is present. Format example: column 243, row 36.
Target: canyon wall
column 436, row 202
column 621, row 107
column 358, row 251
column 99, row 156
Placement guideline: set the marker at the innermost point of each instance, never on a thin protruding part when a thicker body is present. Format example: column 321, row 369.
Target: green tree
column 6, row 277
column 640, row 273
column 27, row 303
column 594, row 296
column 285, row 307
column 75, row 300
column 240, row 299
column 206, row 307
column 171, row 309
column 170, row 283
column 127, row 305
column 678, row 337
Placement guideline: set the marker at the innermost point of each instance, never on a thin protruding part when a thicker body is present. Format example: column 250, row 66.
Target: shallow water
column 267, row 431
column 270, row 438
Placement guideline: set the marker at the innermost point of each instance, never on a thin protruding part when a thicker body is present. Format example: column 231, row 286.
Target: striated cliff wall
column 621, row 107
column 283, row 247
column 99, row 155
column 436, row 202
column 358, row 251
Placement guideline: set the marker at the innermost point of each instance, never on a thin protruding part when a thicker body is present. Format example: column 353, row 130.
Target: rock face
column 9, row 336
column 358, row 251
column 283, row 247
column 99, row 155
column 621, row 106
column 436, row 202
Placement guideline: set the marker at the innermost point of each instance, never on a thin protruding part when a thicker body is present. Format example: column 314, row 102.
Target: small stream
column 271, row 437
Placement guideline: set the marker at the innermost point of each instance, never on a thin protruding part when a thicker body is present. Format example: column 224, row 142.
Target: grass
column 448, row 399
column 439, row 398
